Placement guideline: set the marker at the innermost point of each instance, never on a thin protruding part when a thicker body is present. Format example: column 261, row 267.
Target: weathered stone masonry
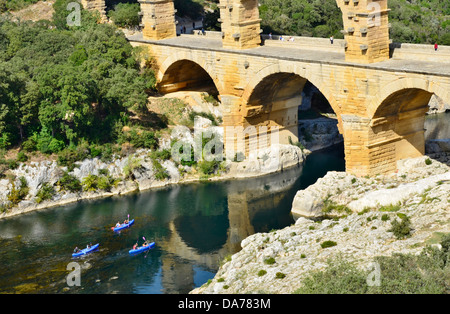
column 380, row 103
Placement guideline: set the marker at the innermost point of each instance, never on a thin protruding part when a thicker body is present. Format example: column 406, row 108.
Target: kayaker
column 126, row 221
column 76, row 250
column 135, row 246
column 117, row 224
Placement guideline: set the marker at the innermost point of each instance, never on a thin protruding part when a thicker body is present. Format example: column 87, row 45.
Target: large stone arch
column 297, row 71
column 397, row 118
column 300, row 71
column 406, row 84
column 194, row 59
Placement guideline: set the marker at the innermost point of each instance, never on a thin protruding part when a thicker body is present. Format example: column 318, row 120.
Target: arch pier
column 380, row 103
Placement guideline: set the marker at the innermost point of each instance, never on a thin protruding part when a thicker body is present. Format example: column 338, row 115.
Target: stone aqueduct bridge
column 380, row 95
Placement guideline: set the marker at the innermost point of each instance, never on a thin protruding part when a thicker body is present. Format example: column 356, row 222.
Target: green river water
column 195, row 226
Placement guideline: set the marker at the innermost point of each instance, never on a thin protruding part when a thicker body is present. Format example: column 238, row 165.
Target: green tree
column 125, row 14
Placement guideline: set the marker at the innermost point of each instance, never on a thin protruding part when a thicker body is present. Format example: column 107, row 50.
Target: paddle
column 147, row 245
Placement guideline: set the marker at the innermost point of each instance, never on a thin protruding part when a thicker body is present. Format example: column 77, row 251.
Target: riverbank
column 350, row 218
column 134, row 173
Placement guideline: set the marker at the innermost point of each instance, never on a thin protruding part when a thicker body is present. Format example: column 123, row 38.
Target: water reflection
column 195, row 227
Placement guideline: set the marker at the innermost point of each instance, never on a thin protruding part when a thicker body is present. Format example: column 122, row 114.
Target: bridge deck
column 301, row 54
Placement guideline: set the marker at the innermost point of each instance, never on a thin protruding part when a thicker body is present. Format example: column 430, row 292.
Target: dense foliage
column 62, row 86
column 427, row 273
column 413, row 21
column 125, row 14
column 14, row 5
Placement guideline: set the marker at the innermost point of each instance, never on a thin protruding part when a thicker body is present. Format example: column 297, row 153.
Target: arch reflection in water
column 195, row 226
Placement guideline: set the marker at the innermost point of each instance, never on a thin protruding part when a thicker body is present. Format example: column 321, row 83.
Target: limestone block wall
column 241, row 25
column 380, row 109
column 158, row 19
column 366, row 30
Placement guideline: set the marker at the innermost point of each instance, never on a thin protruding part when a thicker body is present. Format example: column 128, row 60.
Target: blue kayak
column 123, row 226
column 142, row 248
column 86, row 250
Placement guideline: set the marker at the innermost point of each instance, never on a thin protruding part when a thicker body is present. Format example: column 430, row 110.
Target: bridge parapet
column 420, row 52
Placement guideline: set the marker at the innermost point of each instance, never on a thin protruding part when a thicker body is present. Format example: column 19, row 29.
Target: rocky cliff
column 348, row 217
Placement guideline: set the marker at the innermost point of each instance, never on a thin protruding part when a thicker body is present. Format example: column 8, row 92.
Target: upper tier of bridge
column 299, row 53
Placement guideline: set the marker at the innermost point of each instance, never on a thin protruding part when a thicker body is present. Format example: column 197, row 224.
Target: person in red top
column 435, row 47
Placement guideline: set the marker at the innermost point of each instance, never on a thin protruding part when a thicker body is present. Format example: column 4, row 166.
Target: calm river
column 194, row 226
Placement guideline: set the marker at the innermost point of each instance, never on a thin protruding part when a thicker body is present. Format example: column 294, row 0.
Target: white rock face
column 268, row 160
column 413, row 177
column 38, row 173
column 295, row 251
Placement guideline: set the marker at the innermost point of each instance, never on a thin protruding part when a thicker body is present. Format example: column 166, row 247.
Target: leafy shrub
column 164, row 154
column 139, row 138
column 330, row 206
column 29, row 145
column 160, row 172
column 385, row 217
column 102, row 182
column 401, row 229
column 262, row 272
column 427, row 273
column 22, row 157
column 70, row 183
column 70, row 155
column 280, row 275
column 327, row 244
column 208, row 167
column 46, row 143
column 90, row 183
column 428, row 161
column 340, row 277
column 125, row 14
column 12, row 164
column 185, row 158
column 205, row 115
column 269, row 261
column 390, row 208
column 132, row 164
column 16, row 195
column 46, row 192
